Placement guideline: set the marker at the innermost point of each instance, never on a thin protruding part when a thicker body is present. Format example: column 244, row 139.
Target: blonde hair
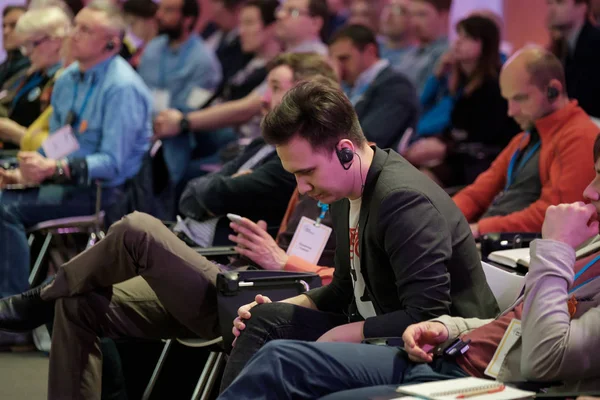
column 114, row 16
column 52, row 21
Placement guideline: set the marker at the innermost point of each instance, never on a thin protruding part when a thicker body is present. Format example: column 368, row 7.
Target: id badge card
column 61, row 143
column 198, row 97
column 512, row 334
column 309, row 240
column 162, row 100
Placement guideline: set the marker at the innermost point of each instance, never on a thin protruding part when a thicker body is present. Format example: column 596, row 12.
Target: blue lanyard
column 324, row 208
column 582, row 271
column 185, row 53
column 511, row 166
column 77, row 117
column 35, row 80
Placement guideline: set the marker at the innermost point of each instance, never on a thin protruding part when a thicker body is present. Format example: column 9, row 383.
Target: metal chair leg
column 214, row 374
column 34, row 276
column 210, row 362
column 157, row 369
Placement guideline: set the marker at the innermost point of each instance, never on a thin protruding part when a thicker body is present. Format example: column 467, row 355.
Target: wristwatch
column 184, row 124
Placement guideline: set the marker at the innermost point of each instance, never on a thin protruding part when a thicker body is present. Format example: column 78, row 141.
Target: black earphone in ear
column 552, row 93
column 345, row 156
column 110, row 46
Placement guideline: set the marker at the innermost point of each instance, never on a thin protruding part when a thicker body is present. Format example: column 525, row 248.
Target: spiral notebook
column 465, row 388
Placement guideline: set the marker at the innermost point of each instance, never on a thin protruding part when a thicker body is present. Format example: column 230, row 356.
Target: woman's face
column 466, row 48
column 43, row 50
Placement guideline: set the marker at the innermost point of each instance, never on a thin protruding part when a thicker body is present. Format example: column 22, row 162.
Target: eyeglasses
column 30, row 45
column 291, row 11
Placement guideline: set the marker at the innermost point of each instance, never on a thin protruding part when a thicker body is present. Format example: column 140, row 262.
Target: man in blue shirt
column 396, row 31
column 182, row 73
column 108, row 109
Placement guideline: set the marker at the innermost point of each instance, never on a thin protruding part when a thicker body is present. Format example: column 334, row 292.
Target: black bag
column 236, row 288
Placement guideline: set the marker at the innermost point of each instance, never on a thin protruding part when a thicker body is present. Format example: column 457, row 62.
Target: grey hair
column 52, row 21
column 116, row 20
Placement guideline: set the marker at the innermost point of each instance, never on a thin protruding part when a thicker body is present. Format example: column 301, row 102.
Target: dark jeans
column 22, row 209
column 276, row 321
column 287, row 369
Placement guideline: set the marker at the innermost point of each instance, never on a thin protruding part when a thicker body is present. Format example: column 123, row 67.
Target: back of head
column 267, row 9
column 439, row 5
column 316, row 112
column 71, row 7
column 304, row 65
column 360, row 35
column 52, row 21
column 114, row 17
column 140, row 8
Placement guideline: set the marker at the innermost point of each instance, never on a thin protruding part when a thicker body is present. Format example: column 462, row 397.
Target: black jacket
column 582, row 70
column 263, row 194
column 389, row 106
column 413, row 242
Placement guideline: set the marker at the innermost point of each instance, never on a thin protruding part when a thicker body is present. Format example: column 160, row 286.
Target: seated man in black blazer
column 385, row 100
column 404, row 251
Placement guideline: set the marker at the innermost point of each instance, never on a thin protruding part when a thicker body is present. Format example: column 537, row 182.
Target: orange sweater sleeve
column 571, row 170
column 298, row 264
column 475, row 199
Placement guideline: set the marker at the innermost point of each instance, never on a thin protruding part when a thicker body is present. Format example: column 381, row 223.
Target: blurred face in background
column 253, row 33
column 223, row 17
column 294, row 22
column 351, row 62
column 43, row 50
column 170, row 18
column 363, row 13
column 425, row 20
column 395, row 19
column 564, row 14
column 279, row 81
column 9, row 22
column 466, row 48
column 90, row 36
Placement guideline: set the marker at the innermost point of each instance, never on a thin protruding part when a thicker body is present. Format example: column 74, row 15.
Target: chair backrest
column 505, row 285
column 596, row 121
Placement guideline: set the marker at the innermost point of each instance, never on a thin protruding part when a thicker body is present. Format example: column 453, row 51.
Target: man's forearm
column 227, row 114
column 302, row 301
column 11, row 131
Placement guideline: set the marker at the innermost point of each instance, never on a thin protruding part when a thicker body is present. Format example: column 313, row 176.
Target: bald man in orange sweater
column 547, row 164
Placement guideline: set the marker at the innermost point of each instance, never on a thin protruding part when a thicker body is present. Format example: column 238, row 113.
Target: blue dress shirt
column 113, row 123
column 179, row 71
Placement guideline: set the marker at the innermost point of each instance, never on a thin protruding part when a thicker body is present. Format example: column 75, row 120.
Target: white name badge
column 512, row 334
column 198, row 97
column 162, row 100
column 61, row 143
column 309, row 240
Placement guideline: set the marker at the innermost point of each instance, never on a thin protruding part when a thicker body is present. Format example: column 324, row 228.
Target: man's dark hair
column 597, row 149
column 304, row 65
column 190, row 9
column 232, row 4
column 440, row 5
column 140, row 8
column 360, row 35
column 317, row 112
column 8, row 9
column 318, row 8
column 267, row 9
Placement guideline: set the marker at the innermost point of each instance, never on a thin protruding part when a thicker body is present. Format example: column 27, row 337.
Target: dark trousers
column 287, row 369
column 277, row 321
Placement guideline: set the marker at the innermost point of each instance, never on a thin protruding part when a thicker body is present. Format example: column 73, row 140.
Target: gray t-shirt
column 526, row 188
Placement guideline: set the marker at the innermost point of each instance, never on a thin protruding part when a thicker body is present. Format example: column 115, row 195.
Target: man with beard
column 181, row 71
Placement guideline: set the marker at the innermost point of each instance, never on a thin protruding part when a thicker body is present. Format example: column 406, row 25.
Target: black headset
column 110, row 46
column 345, row 156
column 552, row 93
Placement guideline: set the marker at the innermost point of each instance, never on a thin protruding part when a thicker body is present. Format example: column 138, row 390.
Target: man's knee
column 136, row 225
column 264, row 315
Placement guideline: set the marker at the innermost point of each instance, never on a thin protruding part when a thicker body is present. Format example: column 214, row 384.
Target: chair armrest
column 496, row 241
column 215, row 251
